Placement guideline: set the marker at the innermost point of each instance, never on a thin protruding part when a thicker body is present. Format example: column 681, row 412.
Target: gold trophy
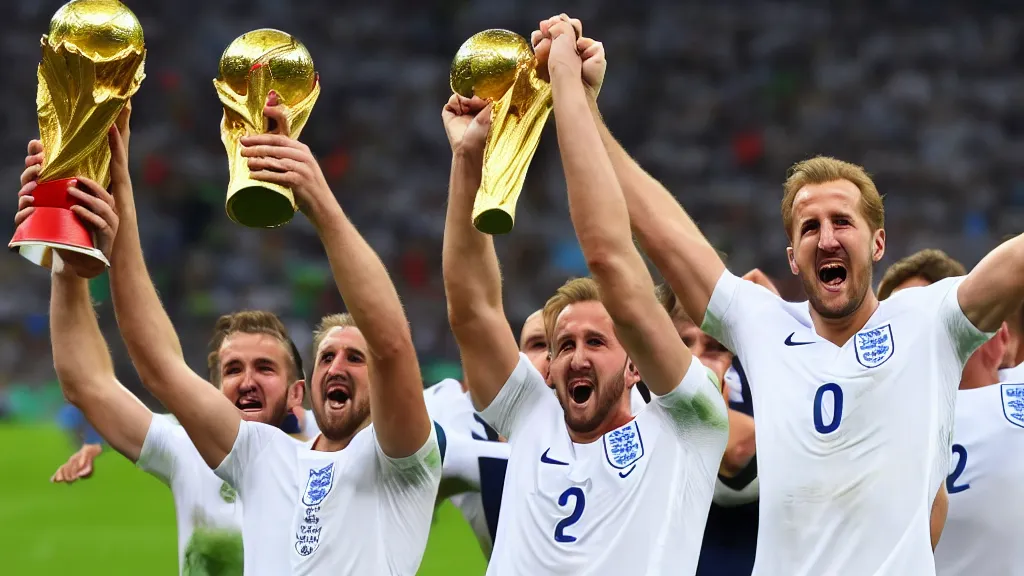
column 499, row 65
column 252, row 65
column 92, row 64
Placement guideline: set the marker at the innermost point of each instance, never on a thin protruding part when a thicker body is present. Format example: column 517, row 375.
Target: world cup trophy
column 252, row 65
column 500, row 65
column 92, row 64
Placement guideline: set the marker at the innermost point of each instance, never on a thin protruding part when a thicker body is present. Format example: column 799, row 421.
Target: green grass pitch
column 121, row 521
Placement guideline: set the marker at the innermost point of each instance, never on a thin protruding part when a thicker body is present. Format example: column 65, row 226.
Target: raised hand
column 541, row 40
column 467, row 121
column 276, row 158
column 564, row 35
column 594, row 65
column 95, row 209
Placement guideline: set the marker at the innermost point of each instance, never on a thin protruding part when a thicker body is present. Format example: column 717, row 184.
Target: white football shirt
column 206, row 508
column 1014, row 375
column 634, row 502
column 852, row 441
column 356, row 511
column 474, row 464
column 986, row 485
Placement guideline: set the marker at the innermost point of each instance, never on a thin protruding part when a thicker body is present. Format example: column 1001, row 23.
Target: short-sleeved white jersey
column 205, row 507
column 634, row 502
column 986, row 485
column 474, row 461
column 852, row 441
column 356, row 511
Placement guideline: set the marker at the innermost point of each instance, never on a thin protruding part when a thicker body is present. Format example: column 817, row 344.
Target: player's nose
column 827, row 240
column 579, row 360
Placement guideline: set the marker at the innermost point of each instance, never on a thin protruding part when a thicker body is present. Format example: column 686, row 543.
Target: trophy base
column 259, row 207
column 53, row 226
column 493, row 221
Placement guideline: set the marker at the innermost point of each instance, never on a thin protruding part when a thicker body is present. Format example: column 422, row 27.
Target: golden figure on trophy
column 499, row 65
column 92, row 64
column 252, row 65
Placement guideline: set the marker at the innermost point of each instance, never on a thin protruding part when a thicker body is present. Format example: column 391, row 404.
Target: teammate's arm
column 741, row 447
column 80, row 355
column 994, row 289
column 86, row 372
column 598, row 212
column 679, row 250
column 396, row 386
column 209, row 418
column 472, row 279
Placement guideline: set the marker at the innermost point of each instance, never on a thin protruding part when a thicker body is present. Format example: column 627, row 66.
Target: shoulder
column 920, row 297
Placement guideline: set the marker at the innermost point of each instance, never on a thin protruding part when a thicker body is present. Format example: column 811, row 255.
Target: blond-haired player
column 858, row 395
column 590, row 489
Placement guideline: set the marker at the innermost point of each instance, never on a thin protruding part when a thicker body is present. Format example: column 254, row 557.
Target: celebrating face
column 256, row 375
column 833, row 247
column 589, row 368
column 340, row 390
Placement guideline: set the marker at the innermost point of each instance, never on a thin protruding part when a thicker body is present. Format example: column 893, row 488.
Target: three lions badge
column 1013, row 403
column 318, row 486
column 873, row 347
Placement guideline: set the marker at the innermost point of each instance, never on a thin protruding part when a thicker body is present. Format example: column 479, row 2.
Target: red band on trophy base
column 53, row 222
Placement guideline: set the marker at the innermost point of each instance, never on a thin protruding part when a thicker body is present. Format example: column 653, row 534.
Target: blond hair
column 250, row 322
column 670, row 303
column 931, row 265
column 573, row 291
column 822, row 169
column 328, row 323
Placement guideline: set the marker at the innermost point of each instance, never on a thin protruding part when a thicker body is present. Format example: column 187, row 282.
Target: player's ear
column 631, row 374
column 878, row 245
column 296, row 392
column 791, row 256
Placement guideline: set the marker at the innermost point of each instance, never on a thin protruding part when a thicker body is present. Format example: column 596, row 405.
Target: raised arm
column 598, row 212
column 666, row 233
column 472, row 279
column 209, row 418
column 396, row 386
column 80, row 355
column 994, row 289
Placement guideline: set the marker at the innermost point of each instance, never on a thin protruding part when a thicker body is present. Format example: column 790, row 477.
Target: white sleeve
column 462, row 458
column 696, row 411
column 731, row 313
column 522, row 393
column 964, row 337
column 252, row 438
column 410, row 489
column 161, row 450
column 422, row 467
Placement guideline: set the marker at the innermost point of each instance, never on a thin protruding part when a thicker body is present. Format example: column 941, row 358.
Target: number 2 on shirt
column 577, row 511
column 837, row 408
column 961, row 463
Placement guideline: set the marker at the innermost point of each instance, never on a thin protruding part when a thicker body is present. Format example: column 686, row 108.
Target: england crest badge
column 873, row 347
column 624, row 446
column 1013, row 403
column 319, row 485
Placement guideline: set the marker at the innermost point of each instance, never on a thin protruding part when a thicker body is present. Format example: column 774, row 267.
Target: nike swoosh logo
column 627, row 472
column 545, row 460
column 789, row 341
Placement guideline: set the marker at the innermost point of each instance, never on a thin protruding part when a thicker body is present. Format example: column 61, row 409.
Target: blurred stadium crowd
column 716, row 99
